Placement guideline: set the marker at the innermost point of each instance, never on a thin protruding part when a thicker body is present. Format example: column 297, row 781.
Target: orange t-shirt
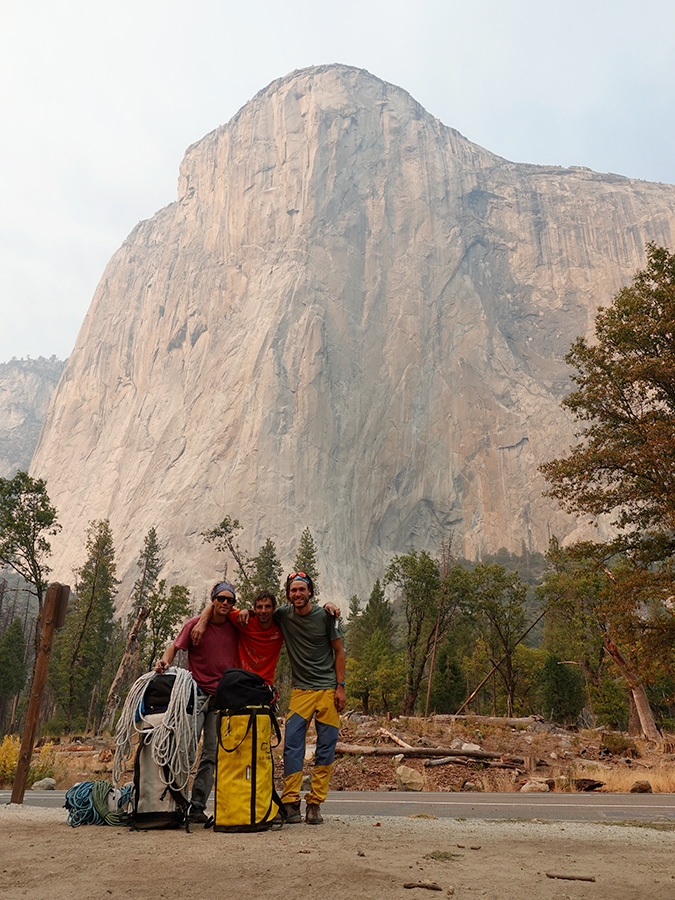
column 258, row 648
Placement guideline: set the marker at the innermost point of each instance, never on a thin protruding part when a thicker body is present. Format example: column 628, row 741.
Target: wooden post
column 53, row 612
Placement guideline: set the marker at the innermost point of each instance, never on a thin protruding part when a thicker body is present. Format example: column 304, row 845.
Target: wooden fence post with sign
column 53, row 617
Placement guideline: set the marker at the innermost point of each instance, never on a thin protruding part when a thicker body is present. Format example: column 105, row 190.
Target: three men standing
column 317, row 659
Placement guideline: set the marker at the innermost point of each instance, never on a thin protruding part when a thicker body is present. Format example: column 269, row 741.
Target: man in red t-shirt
column 260, row 641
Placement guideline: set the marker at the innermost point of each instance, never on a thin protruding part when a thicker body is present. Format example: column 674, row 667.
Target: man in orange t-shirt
column 260, row 639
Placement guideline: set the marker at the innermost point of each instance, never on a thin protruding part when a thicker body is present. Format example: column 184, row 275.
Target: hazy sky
column 99, row 100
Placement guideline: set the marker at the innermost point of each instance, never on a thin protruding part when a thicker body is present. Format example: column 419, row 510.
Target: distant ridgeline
column 26, row 387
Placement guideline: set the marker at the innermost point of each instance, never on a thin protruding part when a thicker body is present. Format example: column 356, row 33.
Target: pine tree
column 224, row 537
column 623, row 464
column 264, row 574
column 165, row 614
column 372, row 668
column 12, row 666
column 150, row 563
column 305, row 559
column 80, row 648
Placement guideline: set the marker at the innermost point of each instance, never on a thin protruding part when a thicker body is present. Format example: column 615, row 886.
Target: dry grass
column 500, row 782
column 661, row 777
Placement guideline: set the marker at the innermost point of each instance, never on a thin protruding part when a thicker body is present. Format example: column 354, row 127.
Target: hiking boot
column 198, row 816
column 313, row 815
column 293, row 816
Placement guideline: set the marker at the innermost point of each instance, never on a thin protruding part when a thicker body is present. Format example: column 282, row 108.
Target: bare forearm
column 340, row 666
column 201, row 625
column 167, row 658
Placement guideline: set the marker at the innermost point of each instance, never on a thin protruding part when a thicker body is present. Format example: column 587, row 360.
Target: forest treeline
column 583, row 634
column 432, row 630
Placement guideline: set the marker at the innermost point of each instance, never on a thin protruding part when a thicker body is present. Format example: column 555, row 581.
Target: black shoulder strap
column 226, row 714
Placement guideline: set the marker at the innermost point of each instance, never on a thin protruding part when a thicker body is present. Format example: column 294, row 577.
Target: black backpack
column 238, row 689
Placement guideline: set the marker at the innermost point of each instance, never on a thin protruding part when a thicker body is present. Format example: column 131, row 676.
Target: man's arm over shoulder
column 199, row 629
column 239, row 618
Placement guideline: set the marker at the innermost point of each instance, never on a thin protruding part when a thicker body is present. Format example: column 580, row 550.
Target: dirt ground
column 361, row 857
column 346, row 857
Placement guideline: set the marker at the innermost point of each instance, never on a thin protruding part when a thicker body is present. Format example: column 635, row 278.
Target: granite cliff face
column 351, row 319
column 26, row 387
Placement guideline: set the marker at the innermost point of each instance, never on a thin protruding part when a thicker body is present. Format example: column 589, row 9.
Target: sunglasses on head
column 296, row 575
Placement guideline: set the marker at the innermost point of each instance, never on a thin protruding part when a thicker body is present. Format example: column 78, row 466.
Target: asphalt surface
column 552, row 807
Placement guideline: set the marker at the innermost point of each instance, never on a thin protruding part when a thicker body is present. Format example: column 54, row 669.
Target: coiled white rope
column 174, row 740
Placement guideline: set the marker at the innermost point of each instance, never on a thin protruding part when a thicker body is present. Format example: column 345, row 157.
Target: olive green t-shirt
column 308, row 642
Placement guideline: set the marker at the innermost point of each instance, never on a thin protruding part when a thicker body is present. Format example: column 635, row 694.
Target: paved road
column 545, row 807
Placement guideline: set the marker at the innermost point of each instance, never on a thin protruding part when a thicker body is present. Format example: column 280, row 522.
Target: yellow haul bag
column 245, row 796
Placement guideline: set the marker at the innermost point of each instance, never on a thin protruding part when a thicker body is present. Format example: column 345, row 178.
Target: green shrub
column 619, row 744
column 562, row 691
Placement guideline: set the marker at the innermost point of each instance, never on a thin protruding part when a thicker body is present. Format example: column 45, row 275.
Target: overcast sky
column 99, row 101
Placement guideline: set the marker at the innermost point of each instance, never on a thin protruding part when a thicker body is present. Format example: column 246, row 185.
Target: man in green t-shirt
column 317, row 658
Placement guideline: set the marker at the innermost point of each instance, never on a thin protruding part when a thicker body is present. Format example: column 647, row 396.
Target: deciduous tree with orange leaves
column 624, row 464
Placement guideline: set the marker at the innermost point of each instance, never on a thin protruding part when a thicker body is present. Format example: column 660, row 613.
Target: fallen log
column 394, row 737
column 511, row 721
column 427, row 753
column 448, row 760
column 462, row 761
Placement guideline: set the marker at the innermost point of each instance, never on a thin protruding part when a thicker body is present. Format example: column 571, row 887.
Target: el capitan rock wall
column 351, row 319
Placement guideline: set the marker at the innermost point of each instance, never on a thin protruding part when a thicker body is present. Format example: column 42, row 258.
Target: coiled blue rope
column 87, row 804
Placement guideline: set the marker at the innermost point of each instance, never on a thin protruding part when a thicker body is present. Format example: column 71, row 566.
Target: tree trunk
column 95, row 694
column 113, row 700
column 644, row 710
column 427, row 753
column 432, row 664
column 634, row 728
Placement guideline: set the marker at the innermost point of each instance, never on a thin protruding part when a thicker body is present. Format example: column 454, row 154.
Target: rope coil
column 174, row 741
column 88, row 803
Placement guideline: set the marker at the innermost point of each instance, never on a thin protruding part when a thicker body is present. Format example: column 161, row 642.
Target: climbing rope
column 88, row 803
column 174, row 740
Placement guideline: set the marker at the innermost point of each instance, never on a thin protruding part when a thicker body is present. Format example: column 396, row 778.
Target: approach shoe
column 313, row 815
column 293, row 816
column 198, row 816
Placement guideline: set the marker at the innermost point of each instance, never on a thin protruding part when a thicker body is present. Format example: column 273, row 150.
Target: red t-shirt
column 258, row 648
column 215, row 652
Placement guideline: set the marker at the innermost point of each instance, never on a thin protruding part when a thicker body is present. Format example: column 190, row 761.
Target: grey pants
column 207, row 721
